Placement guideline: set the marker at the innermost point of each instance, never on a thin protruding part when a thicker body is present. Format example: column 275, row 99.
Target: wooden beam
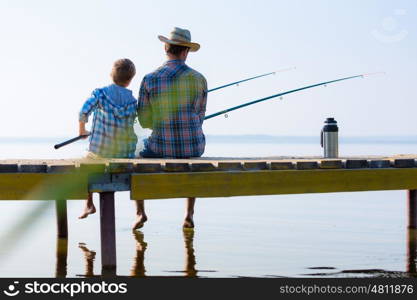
column 61, row 218
column 235, row 183
column 412, row 209
column 43, row 186
column 107, row 231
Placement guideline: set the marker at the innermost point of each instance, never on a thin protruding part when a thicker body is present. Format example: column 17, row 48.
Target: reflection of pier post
column 108, row 233
column 190, row 261
column 411, row 251
column 61, row 258
column 138, row 269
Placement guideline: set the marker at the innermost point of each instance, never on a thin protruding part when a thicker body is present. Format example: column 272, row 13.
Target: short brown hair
column 123, row 71
column 176, row 49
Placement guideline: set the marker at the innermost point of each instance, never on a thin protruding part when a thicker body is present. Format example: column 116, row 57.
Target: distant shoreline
column 260, row 139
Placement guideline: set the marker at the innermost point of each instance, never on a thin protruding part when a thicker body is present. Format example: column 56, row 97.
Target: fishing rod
column 248, row 79
column 225, row 111
column 284, row 93
column 57, row 146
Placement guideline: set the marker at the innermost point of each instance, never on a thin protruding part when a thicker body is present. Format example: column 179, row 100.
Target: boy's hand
column 84, row 132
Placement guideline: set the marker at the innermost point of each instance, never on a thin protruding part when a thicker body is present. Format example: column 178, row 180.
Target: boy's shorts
column 148, row 153
column 92, row 155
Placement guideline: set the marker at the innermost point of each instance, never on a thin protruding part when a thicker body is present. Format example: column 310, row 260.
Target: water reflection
column 411, row 263
column 138, row 269
column 412, row 252
column 190, row 261
column 61, row 258
column 89, row 257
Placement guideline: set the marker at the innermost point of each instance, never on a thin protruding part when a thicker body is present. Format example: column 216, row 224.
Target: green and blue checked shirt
column 172, row 102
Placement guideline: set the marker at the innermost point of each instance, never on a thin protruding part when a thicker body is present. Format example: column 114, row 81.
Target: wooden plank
column 331, row 164
column 404, row 163
column 282, row 165
column 107, row 230
column 230, row 166
column 252, row 166
column 9, row 168
column 28, row 168
column 356, row 164
column 202, row 167
column 380, row 164
column 62, row 169
column 224, row 184
column 306, row 165
column 177, row 167
column 116, row 167
column 42, row 186
column 147, row 168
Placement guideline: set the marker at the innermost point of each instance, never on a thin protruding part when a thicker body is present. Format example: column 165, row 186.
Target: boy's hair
column 123, row 71
column 175, row 49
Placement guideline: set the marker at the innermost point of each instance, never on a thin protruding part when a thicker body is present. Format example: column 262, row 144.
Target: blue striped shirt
column 112, row 133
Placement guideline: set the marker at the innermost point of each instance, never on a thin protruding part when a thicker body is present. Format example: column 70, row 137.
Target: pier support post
column 412, row 209
column 108, row 232
column 61, row 218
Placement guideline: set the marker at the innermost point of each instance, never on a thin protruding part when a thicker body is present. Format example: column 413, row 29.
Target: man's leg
column 189, row 214
column 141, row 217
column 89, row 208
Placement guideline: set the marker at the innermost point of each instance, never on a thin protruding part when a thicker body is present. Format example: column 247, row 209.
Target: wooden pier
column 62, row 180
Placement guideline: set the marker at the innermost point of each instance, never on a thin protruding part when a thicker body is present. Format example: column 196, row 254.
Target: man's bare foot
column 88, row 210
column 188, row 222
column 139, row 222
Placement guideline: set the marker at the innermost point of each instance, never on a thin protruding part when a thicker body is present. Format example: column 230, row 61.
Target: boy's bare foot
column 88, row 210
column 188, row 222
column 139, row 222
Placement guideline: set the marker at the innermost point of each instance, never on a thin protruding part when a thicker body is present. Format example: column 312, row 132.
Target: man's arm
column 144, row 107
column 202, row 101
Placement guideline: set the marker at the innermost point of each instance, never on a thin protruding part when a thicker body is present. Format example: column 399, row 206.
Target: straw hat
column 180, row 37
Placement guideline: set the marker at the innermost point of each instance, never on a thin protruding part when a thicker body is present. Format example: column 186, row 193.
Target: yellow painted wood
column 42, row 186
column 225, row 184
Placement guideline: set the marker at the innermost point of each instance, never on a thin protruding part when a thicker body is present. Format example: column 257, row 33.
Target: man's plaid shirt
column 172, row 102
column 112, row 133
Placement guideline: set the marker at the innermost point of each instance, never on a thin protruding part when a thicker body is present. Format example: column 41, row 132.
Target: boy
column 114, row 107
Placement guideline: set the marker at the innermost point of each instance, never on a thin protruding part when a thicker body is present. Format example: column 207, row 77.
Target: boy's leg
column 189, row 214
column 89, row 208
column 141, row 217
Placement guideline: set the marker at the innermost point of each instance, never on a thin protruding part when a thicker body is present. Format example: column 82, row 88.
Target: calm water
column 344, row 234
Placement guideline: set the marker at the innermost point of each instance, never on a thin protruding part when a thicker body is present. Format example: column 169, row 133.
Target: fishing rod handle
column 57, row 146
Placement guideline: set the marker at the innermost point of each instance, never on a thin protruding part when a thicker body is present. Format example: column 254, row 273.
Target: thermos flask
column 330, row 139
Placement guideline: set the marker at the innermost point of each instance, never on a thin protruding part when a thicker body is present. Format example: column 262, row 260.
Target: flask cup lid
column 330, row 121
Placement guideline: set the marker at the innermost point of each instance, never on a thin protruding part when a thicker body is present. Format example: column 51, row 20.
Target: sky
column 53, row 54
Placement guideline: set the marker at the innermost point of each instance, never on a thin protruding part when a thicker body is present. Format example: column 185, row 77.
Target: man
column 172, row 102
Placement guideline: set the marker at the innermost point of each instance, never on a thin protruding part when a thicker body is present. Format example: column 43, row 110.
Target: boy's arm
column 85, row 112
column 144, row 107
column 82, row 130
